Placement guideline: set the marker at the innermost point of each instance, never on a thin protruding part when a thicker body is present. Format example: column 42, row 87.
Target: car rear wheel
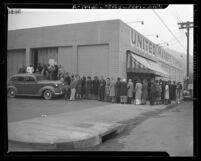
column 47, row 94
column 11, row 93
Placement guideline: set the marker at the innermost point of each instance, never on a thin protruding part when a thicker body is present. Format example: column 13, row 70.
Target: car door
column 31, row 86
column 18, row 82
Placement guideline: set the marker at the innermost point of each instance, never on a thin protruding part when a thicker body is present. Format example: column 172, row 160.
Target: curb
column 85, row 143
column 71, row 145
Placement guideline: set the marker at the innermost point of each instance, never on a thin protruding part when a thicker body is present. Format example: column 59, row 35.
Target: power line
column 173, row 39
column 168, row 29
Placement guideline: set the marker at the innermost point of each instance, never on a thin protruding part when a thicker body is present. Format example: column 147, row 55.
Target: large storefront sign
column 145, row 47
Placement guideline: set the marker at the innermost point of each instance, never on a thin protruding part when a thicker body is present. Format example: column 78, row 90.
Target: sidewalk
column 78, row 129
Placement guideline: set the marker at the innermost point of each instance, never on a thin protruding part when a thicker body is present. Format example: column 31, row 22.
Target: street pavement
column 170, row 131
column 61, row 115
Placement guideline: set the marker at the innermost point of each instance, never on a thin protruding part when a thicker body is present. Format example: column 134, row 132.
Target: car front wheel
column 47, row 94
column 11, row 93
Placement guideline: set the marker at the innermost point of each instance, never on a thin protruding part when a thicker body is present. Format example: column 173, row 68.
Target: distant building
column 109, row 48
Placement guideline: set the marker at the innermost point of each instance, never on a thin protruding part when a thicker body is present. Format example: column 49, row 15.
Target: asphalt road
column 170, row 131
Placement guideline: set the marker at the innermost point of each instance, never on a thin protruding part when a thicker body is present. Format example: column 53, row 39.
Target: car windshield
column 40, row 77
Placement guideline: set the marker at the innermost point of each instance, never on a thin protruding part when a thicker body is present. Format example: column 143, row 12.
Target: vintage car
column 33, row 85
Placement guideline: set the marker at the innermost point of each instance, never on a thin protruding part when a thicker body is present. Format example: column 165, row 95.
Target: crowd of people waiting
column 110, row 90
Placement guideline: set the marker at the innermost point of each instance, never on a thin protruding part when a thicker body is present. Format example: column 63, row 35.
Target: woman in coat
column 123, row 91
column 167, row 97
column 83, row 87
column 117, row 90
column 152, row 92
column 112, row 90
column 107, row 90
column 138, row 92
column 95, row 87
column 102, row 89
column 144, row 92
column 130, row 90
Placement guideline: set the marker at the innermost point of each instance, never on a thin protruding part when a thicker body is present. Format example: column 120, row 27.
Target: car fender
column 45, row 88
column 12, row 87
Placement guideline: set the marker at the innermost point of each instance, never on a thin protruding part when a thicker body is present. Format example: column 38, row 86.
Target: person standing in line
column 158, row 92
column 149, row 89
column 95, row 86
column 107, row 90
column 88, row 87
column 40, row 68
column 123, row 92
column 130, row 90
column 83, row 88
column 67, row 83
column 170, row 92
column 144, row 92
column 22, row 69
column 117, row 90
column 138, row 92
column 152, row 92
column 60, row 71
column 167, row 97
column 79, row 86
column 30, row 69
column 179, row 91
column 55, row 73
column 112, row 90
column 73, row 89
column 174, row 86
column 102, row 89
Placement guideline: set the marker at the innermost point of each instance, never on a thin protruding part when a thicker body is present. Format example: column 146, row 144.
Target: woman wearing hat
column 138, row 92
column 112, row 90
column 144, row 92
column 130, row 90
column 123, row 91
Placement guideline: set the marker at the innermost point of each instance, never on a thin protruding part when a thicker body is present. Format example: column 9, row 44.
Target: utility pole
column 187, row 25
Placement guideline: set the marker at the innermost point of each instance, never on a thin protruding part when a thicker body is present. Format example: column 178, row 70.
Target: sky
column 171, row 16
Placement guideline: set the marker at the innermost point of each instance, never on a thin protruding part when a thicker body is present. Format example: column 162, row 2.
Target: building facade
column 109, row 48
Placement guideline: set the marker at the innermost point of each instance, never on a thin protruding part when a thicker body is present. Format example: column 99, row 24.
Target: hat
column 124, row 80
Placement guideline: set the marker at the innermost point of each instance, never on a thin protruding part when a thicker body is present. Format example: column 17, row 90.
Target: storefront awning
column 151, row 65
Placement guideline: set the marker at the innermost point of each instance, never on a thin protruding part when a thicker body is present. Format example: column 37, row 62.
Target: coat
column 117, row 88
column 167, row 92
column 144, row 91
column 95, row 86
column 88, row 86
column 123, row 89
column 107, row 89
column 112, row 89
column 130, row 89
column 138, row 91
column 158, row 90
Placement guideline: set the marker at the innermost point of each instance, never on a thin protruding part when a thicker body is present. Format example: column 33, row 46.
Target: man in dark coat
column 88, row 87
column 83, row 87
column 174, row 86
column 163, row 92
column 123, row 91
column 170, row 92
column 95, row 87
column 117, row 90
column 102, row 84
column 152, row 92
column 67, row 82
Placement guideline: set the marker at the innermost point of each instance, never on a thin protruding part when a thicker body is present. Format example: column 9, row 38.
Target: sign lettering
column 145, row 47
